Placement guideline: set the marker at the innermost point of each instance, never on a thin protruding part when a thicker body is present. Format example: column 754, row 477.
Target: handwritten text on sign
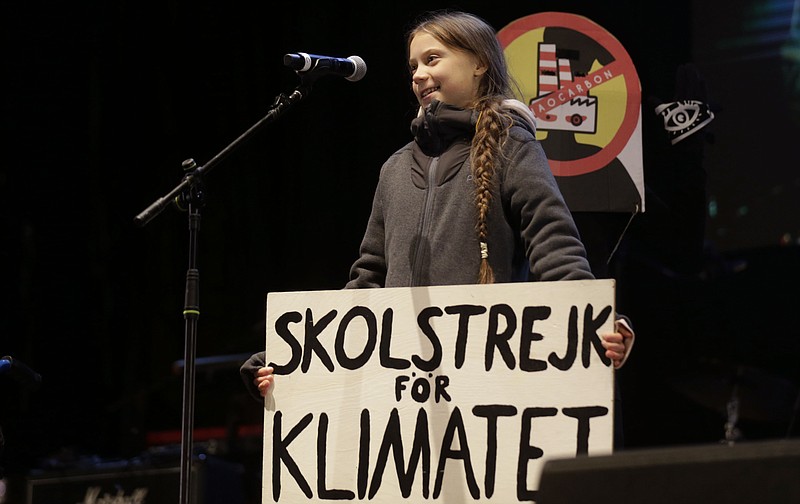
column 453, row 393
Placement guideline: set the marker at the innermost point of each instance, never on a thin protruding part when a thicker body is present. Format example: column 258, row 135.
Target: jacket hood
column 522, row 114
column 439, row 125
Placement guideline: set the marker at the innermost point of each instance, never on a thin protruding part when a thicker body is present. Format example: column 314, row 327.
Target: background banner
column 583, row 88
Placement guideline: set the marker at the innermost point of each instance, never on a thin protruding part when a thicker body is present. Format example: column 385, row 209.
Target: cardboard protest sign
column 583, row 88
column 444, row 394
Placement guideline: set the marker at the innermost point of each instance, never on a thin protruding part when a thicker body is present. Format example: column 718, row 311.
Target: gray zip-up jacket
column 422, row 229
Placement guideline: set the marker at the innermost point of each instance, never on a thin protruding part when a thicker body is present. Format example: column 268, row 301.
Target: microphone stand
column 188, row 195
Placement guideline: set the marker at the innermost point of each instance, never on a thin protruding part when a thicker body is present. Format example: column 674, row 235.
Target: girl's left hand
column 618, row 344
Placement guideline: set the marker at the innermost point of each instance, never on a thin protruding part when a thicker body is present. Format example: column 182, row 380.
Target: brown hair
column 470, row 33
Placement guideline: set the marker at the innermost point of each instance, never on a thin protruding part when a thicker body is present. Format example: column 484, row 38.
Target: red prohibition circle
column 544, row 20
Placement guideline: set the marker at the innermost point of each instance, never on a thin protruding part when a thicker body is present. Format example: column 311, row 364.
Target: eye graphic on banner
column 684, row 118
column 583, row 88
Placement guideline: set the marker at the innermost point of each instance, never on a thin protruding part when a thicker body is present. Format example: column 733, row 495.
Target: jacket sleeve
column 534, row 203
column 248, row 372
column 369, row 270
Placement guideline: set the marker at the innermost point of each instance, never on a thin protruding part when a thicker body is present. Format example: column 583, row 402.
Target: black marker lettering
column 369, row 346
column 500, row 340
column 490, row 413
column 312, row 344
column 282, row 330
column 590, row 336
column 529, row 316
column 425, row 326
column 464, row 312
column 572, row 344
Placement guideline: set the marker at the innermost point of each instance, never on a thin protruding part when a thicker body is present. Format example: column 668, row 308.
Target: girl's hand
column 618, row 344
column 263, row 380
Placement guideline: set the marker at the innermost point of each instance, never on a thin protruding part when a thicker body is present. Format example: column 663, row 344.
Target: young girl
column 471, row 199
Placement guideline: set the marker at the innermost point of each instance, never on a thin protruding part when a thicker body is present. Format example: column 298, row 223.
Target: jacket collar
column 439, row 125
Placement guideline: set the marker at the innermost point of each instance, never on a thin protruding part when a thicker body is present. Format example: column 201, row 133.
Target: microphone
column 352, row 68
column 24, row 375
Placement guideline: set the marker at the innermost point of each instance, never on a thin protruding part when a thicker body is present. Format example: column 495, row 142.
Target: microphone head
column 360, row 71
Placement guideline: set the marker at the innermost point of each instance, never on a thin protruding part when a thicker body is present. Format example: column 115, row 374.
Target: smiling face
column 443, row 73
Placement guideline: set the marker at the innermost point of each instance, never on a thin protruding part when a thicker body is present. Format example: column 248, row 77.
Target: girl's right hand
column 263, row 380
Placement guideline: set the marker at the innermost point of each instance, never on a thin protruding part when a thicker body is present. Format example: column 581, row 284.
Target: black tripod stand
column 188, row 196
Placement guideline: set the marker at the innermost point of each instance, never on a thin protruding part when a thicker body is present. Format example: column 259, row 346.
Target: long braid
column 490, row 131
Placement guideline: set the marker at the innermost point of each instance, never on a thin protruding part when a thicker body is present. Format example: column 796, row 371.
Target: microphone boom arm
column 282, row 103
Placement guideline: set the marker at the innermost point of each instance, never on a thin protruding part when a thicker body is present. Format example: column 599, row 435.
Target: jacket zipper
column 424, row 223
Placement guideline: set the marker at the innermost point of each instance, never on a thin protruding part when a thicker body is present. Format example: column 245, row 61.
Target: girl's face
column 437, row 71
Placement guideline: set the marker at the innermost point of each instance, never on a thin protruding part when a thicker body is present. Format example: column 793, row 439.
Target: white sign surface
column 444, row 394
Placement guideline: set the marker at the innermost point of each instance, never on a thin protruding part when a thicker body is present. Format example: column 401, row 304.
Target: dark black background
column 102, row 101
